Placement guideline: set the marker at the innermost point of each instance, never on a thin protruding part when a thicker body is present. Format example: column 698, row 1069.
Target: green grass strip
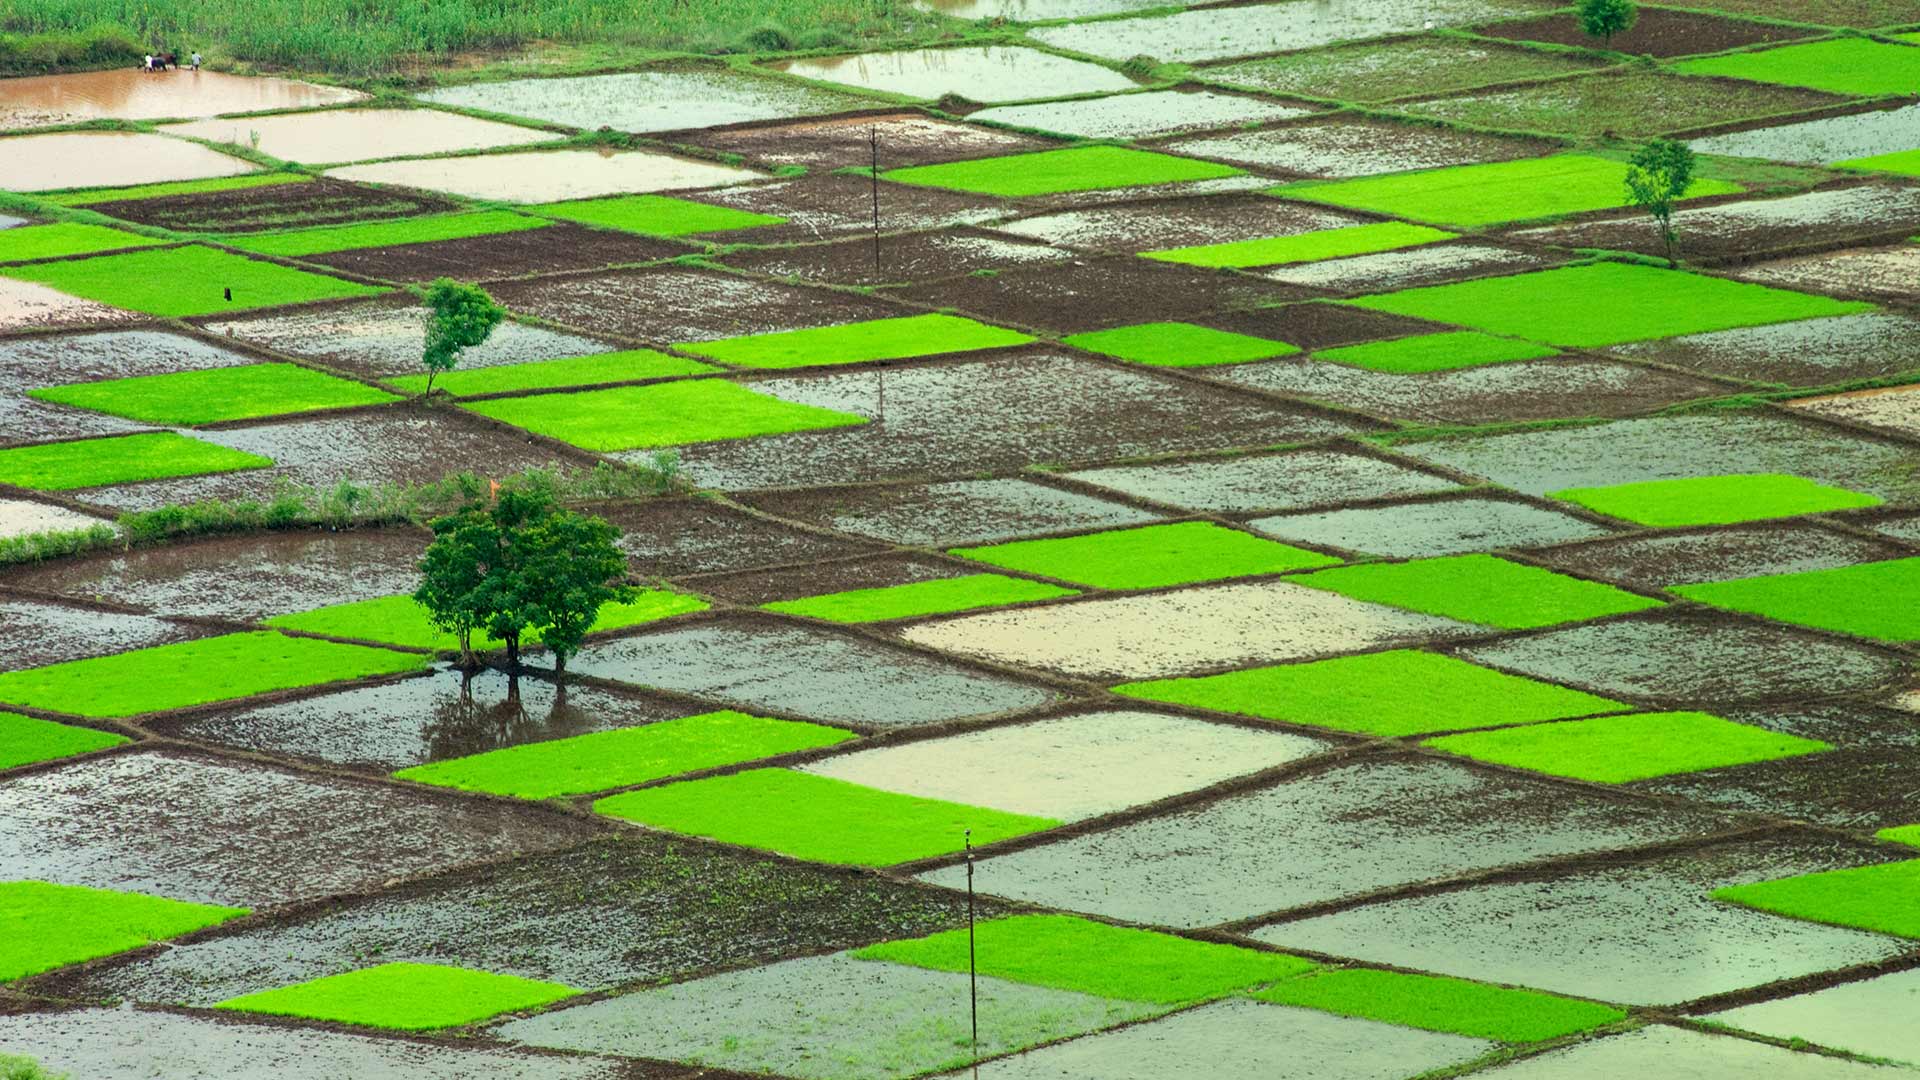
column 1905, row 162
column 403, row 997
column 177, row 282
column 1472, row 195
column 25, row 740
column 1715, row 500
column 172, row 188
column 655, row 215
column 816, row 817
column 118, row 459
column 1444, row 351
column 1067, row 952
column 1619, row 749
column 367, row 234
column 628, row 366
column 969, row 592
column 1605, row 304
column 1392, row 694
column 195, row 672
column 855, row 343
column 400, row 620
column 66, row 238
column 1884, row 898
column 1304, row 247
column 1479, row 589
column 1901, row 834
column 663, row 414
column 1877, row 600
column 45, row 926
column 1438, row 1003
column 625, row 756
column 189, row 398
column 1852, row 66
column 1052, row 172
column 1149, row 556
column 1178, row 344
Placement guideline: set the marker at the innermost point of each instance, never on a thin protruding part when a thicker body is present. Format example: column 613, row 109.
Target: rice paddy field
column 1167, row 541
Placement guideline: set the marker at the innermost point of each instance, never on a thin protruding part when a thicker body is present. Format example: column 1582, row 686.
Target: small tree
column 1605, row 18
column 1657, row 177
column 459, row 317
column 571, row 566
column 466, row 547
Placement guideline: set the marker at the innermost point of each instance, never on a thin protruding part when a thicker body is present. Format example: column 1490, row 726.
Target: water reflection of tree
column 464, row 723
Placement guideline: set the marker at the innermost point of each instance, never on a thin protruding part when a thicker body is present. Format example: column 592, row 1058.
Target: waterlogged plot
column 1480, row 589
column 854, row 343
column 1256, row 29
column 418, row 230
column 128, row 93
column 662, row 414
column 1890, row 408
column 382, row 338
column 1395, row 693
column 1833, row 138
column 631, row 365
column 404, row 997
column 1634, row 102
column 625, row 756
column 1149, row 557
column 1662, row 560
column 20, row 517
column 1379, row 71
column 1715, row 500
column 1851, row 1017
column 1871, row 599
column 192, row 280
column 25, row 740
column 66, row 238
column 1295, row 480
column 92, row 462
column 1425, row 529
column 1736, row 232
column 403, row 621
column 958, row 511
column 36, row 633
column 655, row 215
column 337, row 135
column 817, row 818
column 1470, row 195
column 1884, row 271
column 823, row 145
column 911, row 258
column 1053, row 172
column 1304, row 247
column 1619, row 749
column 1129, row 227
column 1436, row 1003
column 25, row 306
column 91, row 159
column 643, row 101
column 1661, row 1050
column 1137, row 116
column 992, row 73
column 1855, row 67
column 681, row 304
column 1435, row 352
column 968, row 592
column 1346, row 146
column 551, row 175
column 192, row 398
column 1178, row 344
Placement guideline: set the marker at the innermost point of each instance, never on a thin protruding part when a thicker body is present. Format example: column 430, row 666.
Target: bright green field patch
column 195, row 672
column 24, row 740
column 655, row 215
column 66, row 238
column 1396, row 693
column 1436, row 352
column 187, row 398
column 1150, row 556
column 118, row 459
column 1489, row 194
column 854, row 343
column 1852, row 66
column 969, row 592
column 1618, row 749
column 185, row 281
column 1901, row 834
column 1885, row 898
column 626, row 756
column 1906, row 161
column 415, row 230
column 1178, row 344
column 400, row 620
column 1437, row 1003
column 1050, row 172
column 663, row 414
column 177, row 187
column 405, row 997
column 1877, row 600
column 816, row 817
column 1304, row 247
column 1715, row 500
column 1604, row 304
column 1070, row 953
column 1479, row 589
column 45, row 926
column 631, row 365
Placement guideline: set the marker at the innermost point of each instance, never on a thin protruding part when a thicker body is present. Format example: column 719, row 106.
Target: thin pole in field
column 973, row 970
column 873, row 147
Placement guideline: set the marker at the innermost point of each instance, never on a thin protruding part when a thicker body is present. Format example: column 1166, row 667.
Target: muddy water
column 990, row 73
column 26, row 304
column 1293, row 481
column 650, row 100
column 1657, row 561
column 1436, row 528
column 1889, row 271
column 1891, row 407
column 1035, row 10
column 1349, row 147
column 1809, row 353
column 1135, row 116
column 1838, row 138
column 1850, row 1017
column 131, row 94
column 34, row 634
column 83, row 159
column 361, row 134
column 960, row 511
column 1263, row 28
column 552, row 176
column 18, row 516
column 382, row 338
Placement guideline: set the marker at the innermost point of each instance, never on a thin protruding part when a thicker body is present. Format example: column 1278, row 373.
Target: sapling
column 459, row 317
column 1657, row 177
column 1605, row 18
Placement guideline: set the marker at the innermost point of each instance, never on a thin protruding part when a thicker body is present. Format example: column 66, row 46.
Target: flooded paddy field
column 1232, row 503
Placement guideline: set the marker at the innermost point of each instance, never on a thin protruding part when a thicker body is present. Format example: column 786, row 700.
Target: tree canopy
column 459, row 317
column 1657, row 178
column 1605, row 18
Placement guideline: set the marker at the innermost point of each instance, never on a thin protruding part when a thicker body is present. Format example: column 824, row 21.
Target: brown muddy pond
column 990, row 73
column 132, row 94
column 85, row 159
column 550, row 176
column 360, row 134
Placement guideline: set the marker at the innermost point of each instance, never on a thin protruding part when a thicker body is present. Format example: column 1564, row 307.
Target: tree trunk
column 513, row 652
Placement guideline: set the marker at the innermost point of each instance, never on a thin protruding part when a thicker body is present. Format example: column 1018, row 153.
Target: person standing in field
column 196, row 61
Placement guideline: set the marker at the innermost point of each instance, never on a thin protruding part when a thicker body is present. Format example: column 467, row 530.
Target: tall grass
column 95, row 46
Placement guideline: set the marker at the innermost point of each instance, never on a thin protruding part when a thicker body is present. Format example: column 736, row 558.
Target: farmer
column 196, row 61
column 147, row 63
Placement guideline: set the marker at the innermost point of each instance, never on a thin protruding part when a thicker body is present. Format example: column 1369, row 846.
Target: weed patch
column 25, row 740
column 854, row 343
column 191, row 398
column 1438, row 1003
column 66, row 238
column 1052, row 172
column 655, row 215
column 416, row 230
column 1178, row 344
column 1479, row 589
column 969, row 592
column 45, row 926
column 118, row 460
column 1304, row 247
column 1150, row 556
column 1884, row 898
column 1875, row 600
column 1436, row 352
column 405, row 997
column 1489, row 194
column 1619, row 749
column 185, row 281
column 1715, row 500
column 664, row 414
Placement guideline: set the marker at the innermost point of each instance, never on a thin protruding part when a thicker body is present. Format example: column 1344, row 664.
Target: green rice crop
column 1901, row 834
column 177, row 282
column 855, row 343
column 1852, row 66
column 1444, row 351
column 1304, row 247
column 65, row 238
column 1715, row 500
column 1052, row 172
column 1619, row 749
column 400, row 620
column 213, row 395
column 1883, row 898
column 1479, row 589
column 367, row 234
column 403, row 996
column 118, row 459
column 1438, row 1003
column 663, row 414
column 1906, row 162
column 1178, row 344
column 45, row 926
column 1877, row 599
column 172, row 188
column 1150, row 556
column 655, row 215
column 25, row 740
column 969, row 592
column 1503, row 191
column 628, row 366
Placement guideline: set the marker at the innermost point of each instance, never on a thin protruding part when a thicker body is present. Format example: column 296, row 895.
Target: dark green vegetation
column 1715, row 500
column 1479, row 589
column 44, row 926
column 65, row 238
column 1178, row 344
column 25, row 740
column 854, row 343
column 405, row 997
column 1657, row 178
column 816, row 817
column 172, row 188
column 1053, row 172
column 1395, row 693
column 1604, row 18
column 213, row 395
column 1885, row 898
column 1150, row 556
column 1489, row 194
column 968, row 592
column 185, row 281
column 195, row 672
column 459, row 317
column 79, row 46
column 1876, row 600
column 613, row 367
column 400, row 620
column 1852, row 66
column 1435, row 352
column 665, row 414
column 609, row 759
column 1436, row 1003
column 117, row 460
column 417, row 230
column 1619, row 749
column 1070, row 953
column 655, row 215
column 1304, row 247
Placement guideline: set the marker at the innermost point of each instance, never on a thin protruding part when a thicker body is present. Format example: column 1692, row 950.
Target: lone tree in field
column 459, row 317
column 1605, row 18
column 518, row 565
column 1657, row 177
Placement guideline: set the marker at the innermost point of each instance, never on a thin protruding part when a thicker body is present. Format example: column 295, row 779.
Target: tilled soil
column 674, row 537
column 671, row 305
column 1098, row 293
column 545, row 250
column 1655, row 32
column 898, row 139
column 1744, row 232
column 275, row 206
column 913, row 257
